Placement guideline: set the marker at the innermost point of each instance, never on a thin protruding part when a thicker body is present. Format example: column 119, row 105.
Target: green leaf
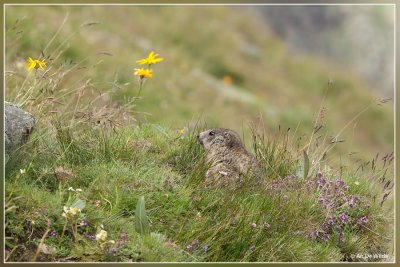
column 141, row 220
column 79, row 203
column 306, row 164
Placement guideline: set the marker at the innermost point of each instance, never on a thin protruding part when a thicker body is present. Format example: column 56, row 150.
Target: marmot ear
column 228, row 136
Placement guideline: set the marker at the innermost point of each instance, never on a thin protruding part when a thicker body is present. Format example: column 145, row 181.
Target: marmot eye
column 211, row 133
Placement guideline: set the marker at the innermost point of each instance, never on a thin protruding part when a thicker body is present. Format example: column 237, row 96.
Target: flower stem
column 62, row 234
column 140, row 86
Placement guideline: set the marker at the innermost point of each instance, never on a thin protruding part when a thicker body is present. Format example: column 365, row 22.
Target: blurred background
column 229, row 66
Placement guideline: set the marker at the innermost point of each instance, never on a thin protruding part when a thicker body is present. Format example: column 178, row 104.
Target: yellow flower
column 357, row 183
column 101, row 236
column 151, row 59
column 148, row 73
column 35, row 64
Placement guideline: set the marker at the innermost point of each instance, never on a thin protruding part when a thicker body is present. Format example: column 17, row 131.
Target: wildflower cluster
column 143, row 73
column 195, row 245
column 102, row 239
column 343, row 209
column 71, row 213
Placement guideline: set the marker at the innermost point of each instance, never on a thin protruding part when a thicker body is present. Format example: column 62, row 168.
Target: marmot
column 231, row 164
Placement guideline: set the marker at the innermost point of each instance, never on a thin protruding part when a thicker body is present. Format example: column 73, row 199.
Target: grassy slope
column 114, row 168
column 166, row 167
column 267, row 80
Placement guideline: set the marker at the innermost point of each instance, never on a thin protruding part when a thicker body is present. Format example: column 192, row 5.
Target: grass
column 92, row 135
column 189, row 222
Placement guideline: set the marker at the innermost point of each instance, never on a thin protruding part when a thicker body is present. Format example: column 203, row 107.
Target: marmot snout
column 230, row 162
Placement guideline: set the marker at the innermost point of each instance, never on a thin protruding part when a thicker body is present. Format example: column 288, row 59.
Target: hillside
column 94, row 134
column 264, row 79
column 360, row 37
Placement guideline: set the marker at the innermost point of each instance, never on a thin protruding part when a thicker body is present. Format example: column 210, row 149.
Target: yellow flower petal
column 144, row 73
column 151, row 59
column 35, row 64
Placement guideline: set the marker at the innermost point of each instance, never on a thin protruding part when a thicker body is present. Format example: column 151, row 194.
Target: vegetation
column 100, row 180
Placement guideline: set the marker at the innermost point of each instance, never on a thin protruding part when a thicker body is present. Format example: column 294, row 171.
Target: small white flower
column 71, row 189
column 223, row 173
column 78, row 190
column 22, row 171
column 357, row 183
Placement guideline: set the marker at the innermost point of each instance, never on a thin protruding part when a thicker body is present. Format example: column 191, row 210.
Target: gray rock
column 18, row 126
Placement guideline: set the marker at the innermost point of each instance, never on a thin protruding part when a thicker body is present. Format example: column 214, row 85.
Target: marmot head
column 219, row 137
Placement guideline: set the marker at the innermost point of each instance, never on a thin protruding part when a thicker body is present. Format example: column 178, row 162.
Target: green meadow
column 111, row 174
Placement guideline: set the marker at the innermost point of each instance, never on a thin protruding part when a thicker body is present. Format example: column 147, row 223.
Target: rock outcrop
column 18, row 126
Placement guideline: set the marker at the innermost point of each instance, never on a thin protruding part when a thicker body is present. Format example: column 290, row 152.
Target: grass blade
column 141, row 220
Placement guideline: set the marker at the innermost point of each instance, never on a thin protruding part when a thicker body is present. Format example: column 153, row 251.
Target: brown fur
column 231, row 164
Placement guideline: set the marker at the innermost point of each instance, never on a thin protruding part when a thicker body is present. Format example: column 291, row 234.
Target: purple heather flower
column 266, row 226
column 351, row 204
column 53, row 233
column 339, row 182
column 321, row 182
column 338, row 227
column 362, row 220
column 368, row 206
column 330, row 221
column 313, row 234
column 344, row 218
column 253, row 225
column 318, row 234
column 356, row 200
column 113, row 250
column 345, row 188
column 189, row 248
column 325, row 237
column 123, row 237
column 321, row 199
column 253, row 247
